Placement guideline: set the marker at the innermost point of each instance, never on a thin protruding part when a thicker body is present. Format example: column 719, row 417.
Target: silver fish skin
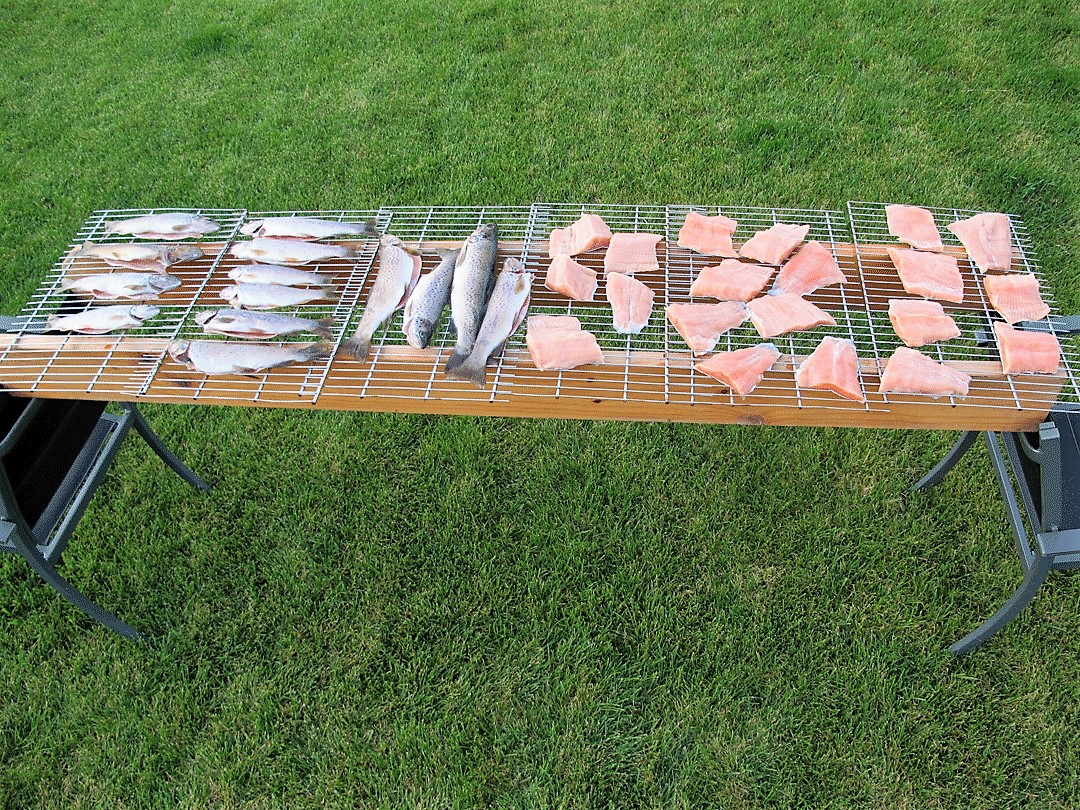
column 474, row 275
column 147, row 258
column 428, row 300
column 133, row 286
column 174, row 225
column 102, row 320
column 259, row 325
column 399, row 269
column 289, row 251
column 270, row 296
column 307, row 228
column 276, row 274
column 505, row 310
column 222, row 357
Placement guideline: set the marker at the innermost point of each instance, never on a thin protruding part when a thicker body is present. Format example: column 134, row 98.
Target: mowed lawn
column 393, row 611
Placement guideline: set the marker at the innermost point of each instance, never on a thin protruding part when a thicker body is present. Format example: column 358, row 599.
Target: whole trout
column 474, row 275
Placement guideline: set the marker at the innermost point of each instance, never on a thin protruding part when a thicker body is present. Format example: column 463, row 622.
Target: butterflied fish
column 259, row 325
column 473, row 279
column 276, row 274
column 222, row 357
column 505, row 310
column 148, row 258
column 134, row 286
column 399, row 269
column 289, row 251
column 428, row 300
column 307, row 228
column 175, row 225
column 101, row 320
column 270, row 296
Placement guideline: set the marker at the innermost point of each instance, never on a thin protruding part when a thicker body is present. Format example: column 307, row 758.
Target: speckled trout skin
column 399, row 269
column 428, row 300
column 276, row 274
column 259, row 325
column 148, row 258
column 174, row 225
column 222, row 357
column 133, row 286
column 270, row 296
column 474, row 276
column 102, row 320
column 289, row 251
column 307, row 228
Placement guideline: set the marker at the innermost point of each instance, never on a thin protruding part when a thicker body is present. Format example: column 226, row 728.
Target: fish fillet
column 711, row 235
column 919, row 322
column 631, row 303
column 812, row 268
column 587, row 233
column 774, row 315
column 931, row 275
column 833, row 366
column 914, row 226
column 1031, row 352
column 701, row 325
column 731, row 280
column 632, row 253
column 773, row 245
column 741, row 370
column 911, row 372
column 1016, row 297
column 987, row 239
column 558, row 342
column 570, row 278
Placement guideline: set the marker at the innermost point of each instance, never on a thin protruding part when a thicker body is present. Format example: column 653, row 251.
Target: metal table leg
column 963, row 444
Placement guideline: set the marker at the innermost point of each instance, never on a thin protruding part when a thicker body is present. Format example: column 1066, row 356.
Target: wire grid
column 974, row 316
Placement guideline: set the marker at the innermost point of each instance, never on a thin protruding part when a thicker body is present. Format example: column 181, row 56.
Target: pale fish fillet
column 812, row 268
column 102, row 320
column 731, row 280
column 832, row 366
column 133, row 286
column 632, row 253
column 914, row 226
column 572, row 279
column 931, row 275
column 775, row 315
column 911, row 372
column 307, row 228
column 701, row 325
column 987, row 239
column 276, row 274
column 741, row 370
column 174, row 225
column 289, row 251
column 587, row 233
column 1016, row 296
column 708, row 235
column 146, row 258
column 270, row 296
column 557, row 342
column 631, row 303
column 918, row 322
column 1027, row 352
column 222, row 357
column 773, row 245
column 259, row 325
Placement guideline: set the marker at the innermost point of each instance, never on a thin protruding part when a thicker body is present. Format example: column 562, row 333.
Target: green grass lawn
column 394, row 611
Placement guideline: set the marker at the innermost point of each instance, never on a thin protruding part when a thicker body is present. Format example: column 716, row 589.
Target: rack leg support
column 1033, row 580
column 963, row 444
column 176, row 465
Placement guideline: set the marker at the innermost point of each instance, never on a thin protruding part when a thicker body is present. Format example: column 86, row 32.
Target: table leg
column 1033, row 579
column 963, row 444
column 176, row 465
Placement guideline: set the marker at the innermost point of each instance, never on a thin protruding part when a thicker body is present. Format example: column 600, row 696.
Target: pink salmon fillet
column 559, row 342
column 587, row 233
column 701, row 325
column 919, row 322
column 775, row 315
column 833, row 366
column 570, row 278
column 773, row 245
column 741, row 370
column 1016, row 296
column 1027, row 352
column 812, row 268
column 911, row 372
column 631, row 303
column 931, row 275
column 914, row 226
column 987, row 239
column 632, row 253
column 731, row 280
column 710, row 235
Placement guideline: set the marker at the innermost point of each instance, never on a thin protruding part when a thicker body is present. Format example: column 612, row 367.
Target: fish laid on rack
column 222, row 357
column 399, row 270
column 931, row 275
column 914, row 226
column 775, row 315
column 1016, row 296
column 144, row 258
column 701, row 325
column 631, row 303
column 741, row 370
column 260, row 325
column 731, row 280
column 174, row 225
column 909, row 371
column 558, row 343
column 276, row 274
column 832, row 366
column 570, row 278
column 812, row 268
column 987, row 238
column 587, row 233
column 773, row 245
column 289, row 251
column 1024, row 352
column 308, row 228
column 474, row 277
column 133, row 286
column 632, row 253
column 708, row 235
column 271, row 296
column 918, row 322
column 506, row 309
column 102, row 320
column 428, row 300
